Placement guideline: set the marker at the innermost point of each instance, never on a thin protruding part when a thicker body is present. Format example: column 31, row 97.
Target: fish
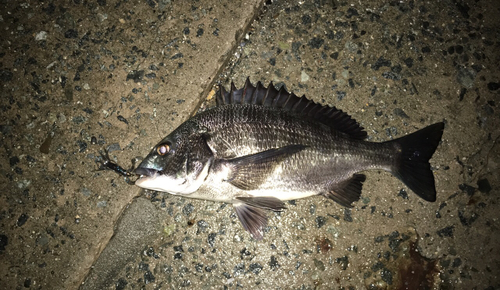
column 261, row 146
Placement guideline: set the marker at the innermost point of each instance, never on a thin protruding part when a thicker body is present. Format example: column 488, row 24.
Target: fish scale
column 323, row 145
column 260, row 146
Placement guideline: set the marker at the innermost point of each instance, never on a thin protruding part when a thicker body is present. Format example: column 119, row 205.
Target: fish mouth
column 154, row 179
column 148, row 178
column 147, row 172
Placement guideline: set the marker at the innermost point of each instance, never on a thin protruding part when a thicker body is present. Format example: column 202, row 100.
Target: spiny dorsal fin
column 282, row 99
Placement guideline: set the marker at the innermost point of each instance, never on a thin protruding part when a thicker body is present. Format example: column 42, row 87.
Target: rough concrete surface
column 78, row 77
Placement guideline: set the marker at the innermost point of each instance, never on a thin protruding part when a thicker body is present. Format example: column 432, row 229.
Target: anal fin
column 252, row 212
column 348, row 191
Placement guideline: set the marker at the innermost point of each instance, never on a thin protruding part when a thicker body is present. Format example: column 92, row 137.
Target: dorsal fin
column 282, row 99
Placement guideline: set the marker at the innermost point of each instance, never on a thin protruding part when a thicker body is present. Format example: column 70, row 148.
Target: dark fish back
column 242, row 130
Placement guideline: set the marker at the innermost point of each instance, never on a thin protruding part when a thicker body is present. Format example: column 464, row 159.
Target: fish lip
column 146, row 171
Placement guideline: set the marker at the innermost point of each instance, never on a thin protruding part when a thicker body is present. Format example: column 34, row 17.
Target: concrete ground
column 77, row 77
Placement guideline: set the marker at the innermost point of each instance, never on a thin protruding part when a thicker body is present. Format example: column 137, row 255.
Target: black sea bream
column 260, row 146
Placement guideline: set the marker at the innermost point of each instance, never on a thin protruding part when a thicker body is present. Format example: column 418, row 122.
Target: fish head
column 178, row 164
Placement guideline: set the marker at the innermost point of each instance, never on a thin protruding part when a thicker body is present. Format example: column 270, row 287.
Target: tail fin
column 412, row 166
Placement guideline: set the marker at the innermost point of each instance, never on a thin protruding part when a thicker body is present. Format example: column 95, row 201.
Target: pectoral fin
column 248, row 172
column 252, row 212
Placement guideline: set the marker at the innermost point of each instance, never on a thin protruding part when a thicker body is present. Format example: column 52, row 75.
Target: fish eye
column 163, row 149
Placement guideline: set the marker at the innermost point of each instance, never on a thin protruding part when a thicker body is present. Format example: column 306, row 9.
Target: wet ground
column 79, row 77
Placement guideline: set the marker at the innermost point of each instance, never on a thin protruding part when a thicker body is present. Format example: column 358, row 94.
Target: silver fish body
column 259, row 147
